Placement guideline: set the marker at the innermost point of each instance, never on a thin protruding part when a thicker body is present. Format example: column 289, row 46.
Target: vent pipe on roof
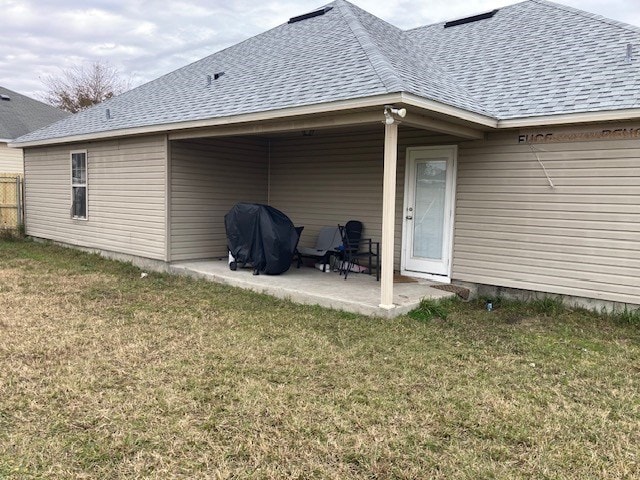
column 208, row 80
column 629, row 52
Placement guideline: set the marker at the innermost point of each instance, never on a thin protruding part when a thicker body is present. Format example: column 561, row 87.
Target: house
column 500, row 150
column 20, row 115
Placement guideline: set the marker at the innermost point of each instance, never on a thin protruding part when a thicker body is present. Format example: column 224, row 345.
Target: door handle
column 409, row 217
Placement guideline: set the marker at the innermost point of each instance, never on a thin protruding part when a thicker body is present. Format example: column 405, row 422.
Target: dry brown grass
column 107, row 375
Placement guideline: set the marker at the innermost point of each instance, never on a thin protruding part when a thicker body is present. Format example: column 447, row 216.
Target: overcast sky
column 145, row 39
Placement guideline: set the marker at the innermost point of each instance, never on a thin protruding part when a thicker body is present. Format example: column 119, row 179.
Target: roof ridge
column 381, row 65
column 592, row 16
column 384, row 68
column 24, row 97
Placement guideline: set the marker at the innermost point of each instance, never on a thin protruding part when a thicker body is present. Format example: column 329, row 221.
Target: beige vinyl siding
column 126, row 196
column 10, row 159
column 330, row 178
column 207, row 178
column 327, row 179
column 581, row 238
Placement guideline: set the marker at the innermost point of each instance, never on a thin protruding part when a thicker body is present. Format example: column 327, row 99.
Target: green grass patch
column 626, row 316
column 430, row 309
column 109, row 375
column 549, row 306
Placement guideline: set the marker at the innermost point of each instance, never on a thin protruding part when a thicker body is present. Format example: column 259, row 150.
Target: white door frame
column 450, row 206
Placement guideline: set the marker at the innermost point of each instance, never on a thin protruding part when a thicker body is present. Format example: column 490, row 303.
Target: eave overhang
column 426, row 114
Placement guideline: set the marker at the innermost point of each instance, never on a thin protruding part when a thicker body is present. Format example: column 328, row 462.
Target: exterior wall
column 581, row 238
column 327, row 179
column 207, row 178
column 512, row 230
column 330, row 178
column 10, row 159
column 126, row 196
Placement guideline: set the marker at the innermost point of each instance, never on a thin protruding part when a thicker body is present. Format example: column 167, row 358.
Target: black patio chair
column 354, row 247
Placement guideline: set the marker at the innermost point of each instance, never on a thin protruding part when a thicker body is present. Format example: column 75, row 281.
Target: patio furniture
column 354, row 247
column 326, row 244
column 260, row 236
column 350, row 235
column 296, row 253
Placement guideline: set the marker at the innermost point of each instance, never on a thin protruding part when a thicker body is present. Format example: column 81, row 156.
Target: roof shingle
column 539, row 58
column 533, row 58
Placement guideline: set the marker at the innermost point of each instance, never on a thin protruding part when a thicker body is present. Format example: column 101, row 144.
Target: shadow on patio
column 360, row 293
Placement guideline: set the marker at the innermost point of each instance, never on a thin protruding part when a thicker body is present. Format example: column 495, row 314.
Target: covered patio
column 360, row 293
column 320, row 170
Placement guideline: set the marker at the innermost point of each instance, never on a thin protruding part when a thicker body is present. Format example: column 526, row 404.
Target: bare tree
column 80, row 87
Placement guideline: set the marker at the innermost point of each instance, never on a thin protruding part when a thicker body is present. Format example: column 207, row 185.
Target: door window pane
column 428, row 218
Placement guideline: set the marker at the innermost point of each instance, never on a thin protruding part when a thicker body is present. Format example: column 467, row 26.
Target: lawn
column 108, row 375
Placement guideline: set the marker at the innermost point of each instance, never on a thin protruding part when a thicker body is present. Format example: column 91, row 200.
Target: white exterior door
column 428, row 212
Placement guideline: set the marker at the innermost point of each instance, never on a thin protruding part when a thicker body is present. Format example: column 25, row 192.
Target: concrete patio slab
column 360, row 293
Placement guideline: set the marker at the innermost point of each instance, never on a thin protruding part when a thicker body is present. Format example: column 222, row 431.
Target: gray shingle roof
column 20, row 114
column 540, row 58
column 532, row 58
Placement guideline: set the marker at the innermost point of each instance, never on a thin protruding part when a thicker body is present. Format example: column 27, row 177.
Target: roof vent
column 317, row 13
column 215, row 76
column 5, row 97
column 474, row 18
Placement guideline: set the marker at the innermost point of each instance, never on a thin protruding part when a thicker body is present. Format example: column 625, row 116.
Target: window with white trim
column 79, row 185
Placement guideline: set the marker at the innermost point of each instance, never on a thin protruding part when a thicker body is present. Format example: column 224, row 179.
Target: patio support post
column 388, row 213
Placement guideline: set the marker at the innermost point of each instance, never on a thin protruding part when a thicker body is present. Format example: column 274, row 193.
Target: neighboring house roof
column 20, row 114
column 530, row 59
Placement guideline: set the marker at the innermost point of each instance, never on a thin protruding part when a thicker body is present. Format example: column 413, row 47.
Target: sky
column 144, row 39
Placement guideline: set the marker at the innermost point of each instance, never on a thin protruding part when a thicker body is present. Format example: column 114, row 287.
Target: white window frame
column 77, row 185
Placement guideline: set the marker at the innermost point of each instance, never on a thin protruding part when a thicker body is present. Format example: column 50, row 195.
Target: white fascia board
column 407, row 99
column 433, row 106
column 569, row 118
column 559, row 119
column 330, row 107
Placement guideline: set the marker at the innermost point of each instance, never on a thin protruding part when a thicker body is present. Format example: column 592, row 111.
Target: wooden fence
column 11, row 201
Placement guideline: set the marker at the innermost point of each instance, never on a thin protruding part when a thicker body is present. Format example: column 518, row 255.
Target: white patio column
column 388, row 213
